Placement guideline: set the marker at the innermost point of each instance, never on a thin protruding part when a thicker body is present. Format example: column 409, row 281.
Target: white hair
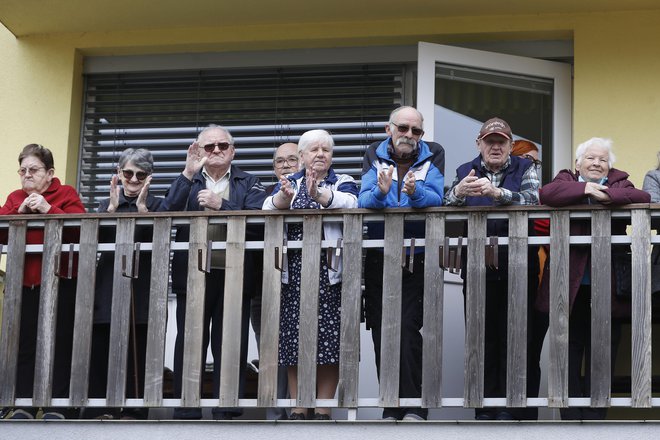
column 597, row 142
column 216, row 127
column 405, row 107
column 315, row 136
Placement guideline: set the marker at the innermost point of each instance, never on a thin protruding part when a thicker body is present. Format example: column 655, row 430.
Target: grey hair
column 141, row 158
column 406, row 107
column 315, row 136
column 595, row 142
column 216, row 127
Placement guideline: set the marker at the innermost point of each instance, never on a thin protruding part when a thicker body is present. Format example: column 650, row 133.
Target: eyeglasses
column 403, row 129
column 140, row 175
column 536, row 162
column 31, row 171
column 291, row 161
column 210, row 148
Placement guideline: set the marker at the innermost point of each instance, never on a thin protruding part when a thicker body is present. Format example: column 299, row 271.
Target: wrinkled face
column 132, row 179
column 35, row 178
column 286, row 160
column 401, row 131
column 214, row 140
column 495, row 150
column 317, row 156
column 594, row 164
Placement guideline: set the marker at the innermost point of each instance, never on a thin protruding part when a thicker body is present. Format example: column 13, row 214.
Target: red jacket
column 63, row 199
column 566, row 190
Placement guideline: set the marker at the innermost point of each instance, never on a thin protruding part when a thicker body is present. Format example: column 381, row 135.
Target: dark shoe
column 20, row 414
column 484, row 416
column 320, row 416
column 187, row 413
column 52, row 415
column 297, row 416
column 504, row 415
column 222, row 416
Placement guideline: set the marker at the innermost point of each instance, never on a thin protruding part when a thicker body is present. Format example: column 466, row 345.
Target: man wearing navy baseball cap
column 495, row 178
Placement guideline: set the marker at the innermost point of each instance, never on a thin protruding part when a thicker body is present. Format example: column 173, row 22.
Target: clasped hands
column 474, row 186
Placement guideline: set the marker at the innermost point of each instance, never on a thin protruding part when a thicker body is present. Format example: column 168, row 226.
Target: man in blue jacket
column 401, row 171
column 210, row 182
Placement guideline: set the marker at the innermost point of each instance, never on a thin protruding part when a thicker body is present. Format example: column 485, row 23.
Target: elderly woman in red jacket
column 43, row 193
column 593, row 182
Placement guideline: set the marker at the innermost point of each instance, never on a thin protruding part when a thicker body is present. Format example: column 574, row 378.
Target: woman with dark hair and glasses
column 134, row 170
column 43, row 193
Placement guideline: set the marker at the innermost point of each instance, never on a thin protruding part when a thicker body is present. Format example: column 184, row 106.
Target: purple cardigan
column 566, row 190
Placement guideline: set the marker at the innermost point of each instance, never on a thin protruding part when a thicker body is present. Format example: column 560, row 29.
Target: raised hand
column 195, row 160
column 385, row 179
column 409, row 183
column 141, row 201
column 114, row 194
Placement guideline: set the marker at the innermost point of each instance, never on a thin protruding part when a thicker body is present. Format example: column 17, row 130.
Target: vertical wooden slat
column 434, row 281
column 475, row 308
column 516, row 381
column 351, row 301
column 559, row 305
column 120, row 317
column 195, row 289
column 232, row 312
column 641, row 309
column 11, row 312
column 390, row 351
column 82, row 328
column 270, row 313
column 155, row 356
column 601, row 308
column 45, row 350
column 309, row 311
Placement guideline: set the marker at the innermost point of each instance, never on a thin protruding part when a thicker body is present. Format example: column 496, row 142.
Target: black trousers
column 495, row 347
column 412, row 301
column 27, row 344
column 98, row 374
column 213, row 310
column 579, row 354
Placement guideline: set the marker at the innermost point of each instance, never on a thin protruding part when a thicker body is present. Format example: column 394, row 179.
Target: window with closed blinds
column 262, row 108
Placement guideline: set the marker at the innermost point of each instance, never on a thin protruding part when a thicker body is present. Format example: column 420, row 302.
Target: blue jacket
column 428, row 170
column 245, row 192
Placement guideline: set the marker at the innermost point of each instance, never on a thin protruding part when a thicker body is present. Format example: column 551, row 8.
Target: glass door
column 458, row 89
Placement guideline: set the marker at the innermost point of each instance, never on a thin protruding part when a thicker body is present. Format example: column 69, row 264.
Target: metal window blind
column 262, row 108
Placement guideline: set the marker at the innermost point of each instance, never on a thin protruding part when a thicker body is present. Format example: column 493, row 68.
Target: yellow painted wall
column 616, row 85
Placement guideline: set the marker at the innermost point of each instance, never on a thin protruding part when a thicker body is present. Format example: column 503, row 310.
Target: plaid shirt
column 528, row 194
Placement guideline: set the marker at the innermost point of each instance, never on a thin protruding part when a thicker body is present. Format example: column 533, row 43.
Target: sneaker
column 390, row 418
column 321, row 416
column 413, row 416
column 20, row 414
column 297, row 416
column 52, row 415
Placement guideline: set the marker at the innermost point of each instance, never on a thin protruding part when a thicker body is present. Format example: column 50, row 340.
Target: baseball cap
column 495, row 126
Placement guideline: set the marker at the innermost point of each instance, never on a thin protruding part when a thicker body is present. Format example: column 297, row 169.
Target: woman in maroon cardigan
column 593, row 182
column 42, row 193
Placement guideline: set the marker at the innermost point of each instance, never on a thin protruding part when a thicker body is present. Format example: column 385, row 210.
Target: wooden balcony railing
column 442, row 241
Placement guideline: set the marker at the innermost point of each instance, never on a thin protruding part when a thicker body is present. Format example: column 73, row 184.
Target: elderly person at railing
column 652, row 183
column 495, row 178
column 210, row 182
column 134, row 170
column 43, row 193
column 593, row 182
column 401, row 171
column 317, row 186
